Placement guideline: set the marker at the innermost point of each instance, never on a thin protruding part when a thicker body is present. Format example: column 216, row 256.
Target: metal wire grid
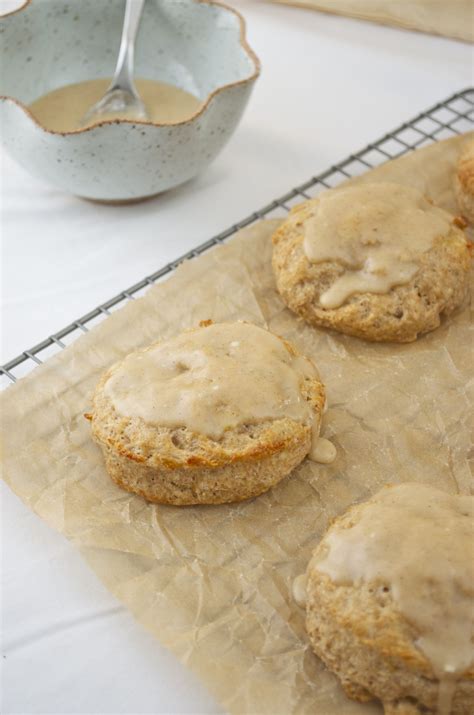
column 454, row 115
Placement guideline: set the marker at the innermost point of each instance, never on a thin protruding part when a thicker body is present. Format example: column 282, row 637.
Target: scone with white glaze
column 464, row 182
column 217, row 414
column 373, row 260
column 389, row 601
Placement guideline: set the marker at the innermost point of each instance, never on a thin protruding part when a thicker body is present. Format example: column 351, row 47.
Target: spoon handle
column 123, row 76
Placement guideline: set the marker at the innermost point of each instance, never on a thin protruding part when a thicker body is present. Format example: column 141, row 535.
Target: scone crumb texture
column 414, row 541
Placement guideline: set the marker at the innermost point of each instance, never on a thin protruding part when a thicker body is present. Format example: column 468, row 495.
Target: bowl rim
column 222, row 88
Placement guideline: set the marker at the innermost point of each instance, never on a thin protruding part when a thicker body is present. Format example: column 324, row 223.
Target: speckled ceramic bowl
column 196, row 45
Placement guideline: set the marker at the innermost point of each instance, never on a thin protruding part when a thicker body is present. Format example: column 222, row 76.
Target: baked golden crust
column 235, row 481
column 400, row 315
column 178, row 466
column 359, row 634
column 464, row 183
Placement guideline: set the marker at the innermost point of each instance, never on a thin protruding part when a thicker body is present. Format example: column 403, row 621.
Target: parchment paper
column 213, row 583
column 450, row 18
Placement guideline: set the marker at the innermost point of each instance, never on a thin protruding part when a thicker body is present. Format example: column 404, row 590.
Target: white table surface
column 329, row 86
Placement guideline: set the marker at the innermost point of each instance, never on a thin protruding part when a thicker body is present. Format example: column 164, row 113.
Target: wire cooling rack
column 454, row 115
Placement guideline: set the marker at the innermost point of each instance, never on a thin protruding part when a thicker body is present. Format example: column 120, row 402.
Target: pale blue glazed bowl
column 196, row 45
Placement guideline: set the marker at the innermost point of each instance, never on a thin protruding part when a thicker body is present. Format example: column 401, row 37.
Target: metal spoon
column 122, row 97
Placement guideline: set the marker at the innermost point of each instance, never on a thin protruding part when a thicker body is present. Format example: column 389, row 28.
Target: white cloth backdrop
column 329, row 86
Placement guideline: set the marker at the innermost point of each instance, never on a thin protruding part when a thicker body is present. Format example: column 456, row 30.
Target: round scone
column 377, row 261
column 464, row 182
column 217, row 414
column 389, row 601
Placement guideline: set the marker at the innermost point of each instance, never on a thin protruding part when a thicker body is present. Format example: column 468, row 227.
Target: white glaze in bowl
column 196, row 45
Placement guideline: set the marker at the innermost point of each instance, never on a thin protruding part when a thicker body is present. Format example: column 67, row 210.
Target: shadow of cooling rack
column 453, row 116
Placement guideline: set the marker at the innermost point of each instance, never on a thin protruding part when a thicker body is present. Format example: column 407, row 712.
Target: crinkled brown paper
column 213, row 583
column 449, row 18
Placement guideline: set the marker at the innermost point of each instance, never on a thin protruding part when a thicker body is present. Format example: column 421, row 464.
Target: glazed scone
column 389, row 601
column 217, row 414
column 464, row 182
column 377, row 261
